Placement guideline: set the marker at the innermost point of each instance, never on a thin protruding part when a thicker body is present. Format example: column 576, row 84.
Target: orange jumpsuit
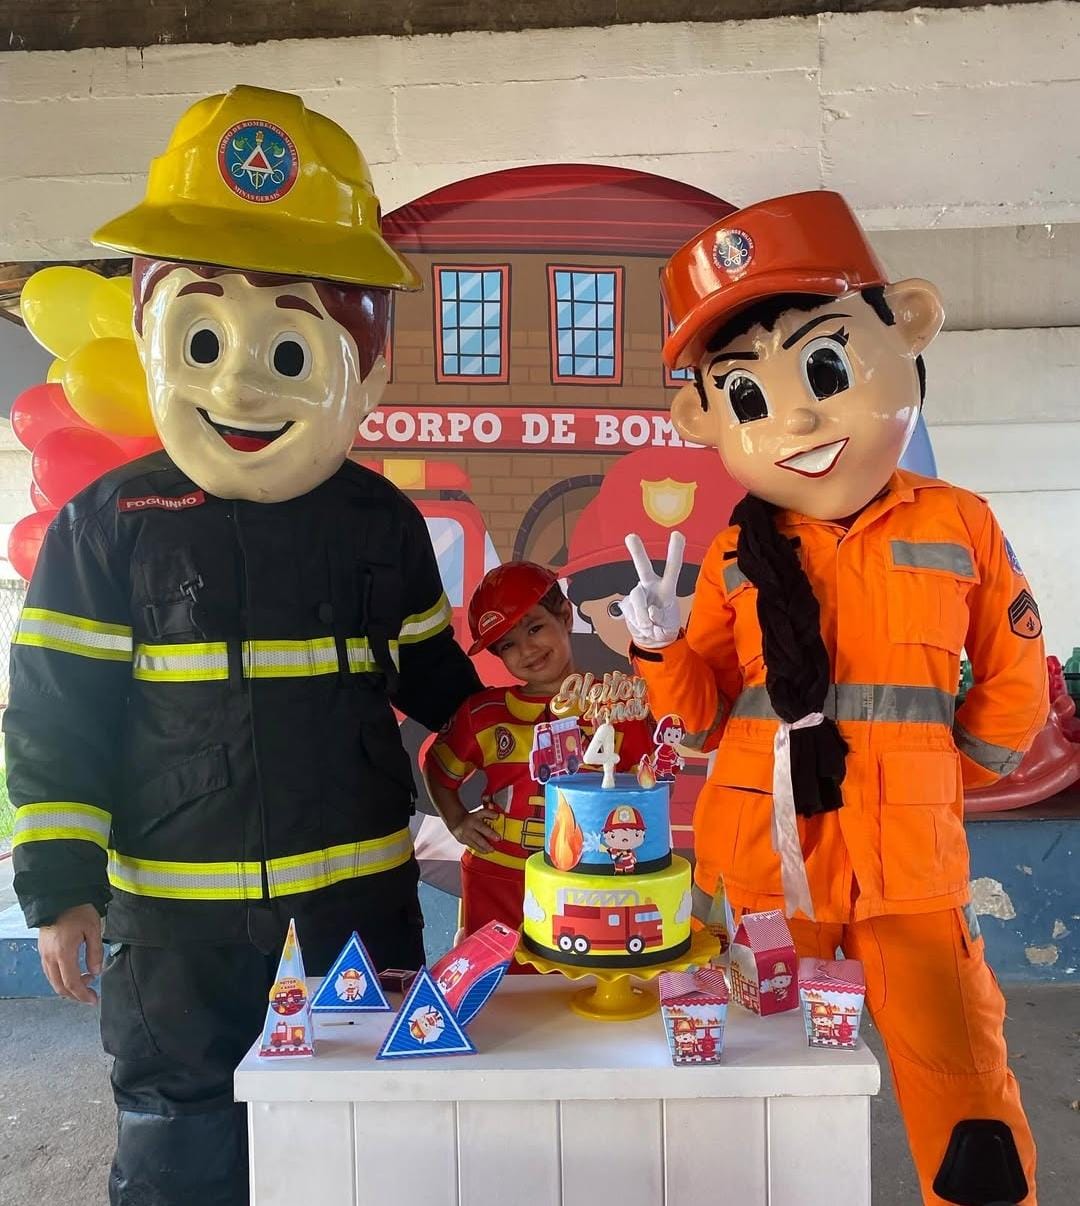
column 921, row 574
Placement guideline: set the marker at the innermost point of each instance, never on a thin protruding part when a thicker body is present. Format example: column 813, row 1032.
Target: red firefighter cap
column 671, row 721
column 803, row 243
column 623, row 817
column 503, row 597
column 651, row 491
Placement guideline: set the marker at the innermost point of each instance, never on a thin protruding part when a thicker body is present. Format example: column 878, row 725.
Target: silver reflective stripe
column 290, row 659
column 426, row 624
column 73, row 634
column 321, row 868
column 935, row 555
column 700, row 903
column 61, row 820
column 882, row 702
column 998, row 759
column 733, row 577
column 181, row 663
column 185, row 881
column 361, row 658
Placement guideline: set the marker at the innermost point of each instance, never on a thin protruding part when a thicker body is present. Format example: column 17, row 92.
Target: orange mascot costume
column 823, row 655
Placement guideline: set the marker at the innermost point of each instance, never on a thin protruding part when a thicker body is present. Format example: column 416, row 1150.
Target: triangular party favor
column 352, row 984
column 425, row 1025
column 287, row 1030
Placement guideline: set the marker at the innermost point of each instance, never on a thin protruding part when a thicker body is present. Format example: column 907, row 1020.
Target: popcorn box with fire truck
column 694, row 1007
column 832, row 992
column 763, row 964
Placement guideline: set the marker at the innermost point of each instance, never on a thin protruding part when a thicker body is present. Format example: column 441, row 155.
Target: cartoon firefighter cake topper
column 262, row 332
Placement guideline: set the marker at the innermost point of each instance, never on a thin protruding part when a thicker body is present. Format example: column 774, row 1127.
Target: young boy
column 520, row 613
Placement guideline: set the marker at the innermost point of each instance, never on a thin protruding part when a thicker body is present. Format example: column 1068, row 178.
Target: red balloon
column 66, row 461
column 25, row 540
column 39, row 410
column 40, row 502
column 134, row 447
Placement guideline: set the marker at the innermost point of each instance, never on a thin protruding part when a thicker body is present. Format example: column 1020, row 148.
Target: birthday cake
column 606, row 891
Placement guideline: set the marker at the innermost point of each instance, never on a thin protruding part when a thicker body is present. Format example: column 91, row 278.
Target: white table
column 556, row 1110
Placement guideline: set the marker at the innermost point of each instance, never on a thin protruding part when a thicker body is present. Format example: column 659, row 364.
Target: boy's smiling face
column 256, row 392
column 814, row 414
column 537, row 649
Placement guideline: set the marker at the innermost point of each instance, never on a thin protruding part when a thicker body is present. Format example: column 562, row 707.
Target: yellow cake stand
column 613, row 998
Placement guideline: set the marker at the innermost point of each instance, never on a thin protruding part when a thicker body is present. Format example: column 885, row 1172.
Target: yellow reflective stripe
column 290, row 659
column 209, row 662
column 522, row 734
column 426, row 624
column 185, row 881
column 321, row 868
column 361, row 658
column 65, row 633
column 62, row 820
column 182, row 663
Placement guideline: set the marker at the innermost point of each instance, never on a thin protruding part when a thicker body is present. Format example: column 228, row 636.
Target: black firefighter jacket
column 200, row 729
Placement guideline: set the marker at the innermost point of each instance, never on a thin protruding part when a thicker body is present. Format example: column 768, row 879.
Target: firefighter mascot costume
column 201, row 738
column 824, row 650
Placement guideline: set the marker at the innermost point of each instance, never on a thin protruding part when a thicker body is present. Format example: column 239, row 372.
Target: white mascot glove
column 651, row 609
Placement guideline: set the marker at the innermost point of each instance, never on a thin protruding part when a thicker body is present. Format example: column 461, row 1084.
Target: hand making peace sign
column 651, row 609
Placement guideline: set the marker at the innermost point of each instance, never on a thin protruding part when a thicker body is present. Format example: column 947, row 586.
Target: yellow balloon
column 105, row 385
column 56, row 371
column 55, row 306
column 111, row 307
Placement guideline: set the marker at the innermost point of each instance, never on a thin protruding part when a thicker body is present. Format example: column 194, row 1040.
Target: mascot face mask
column 257, row 391
column 805, row 359
column 262, row 293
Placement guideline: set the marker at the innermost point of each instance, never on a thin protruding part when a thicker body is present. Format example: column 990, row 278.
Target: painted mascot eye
column 745, row 395
column 826, row 369
column 202, row 346
column 290, row 356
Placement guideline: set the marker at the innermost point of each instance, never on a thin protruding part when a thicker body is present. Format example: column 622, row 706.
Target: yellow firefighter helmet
column 252, row 179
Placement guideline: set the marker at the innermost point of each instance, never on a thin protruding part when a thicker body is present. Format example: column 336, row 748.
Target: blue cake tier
column 593, row 830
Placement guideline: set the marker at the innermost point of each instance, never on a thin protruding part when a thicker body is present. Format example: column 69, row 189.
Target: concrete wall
column 950, row 132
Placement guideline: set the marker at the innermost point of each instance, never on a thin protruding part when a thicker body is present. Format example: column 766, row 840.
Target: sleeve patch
column 1024, row 618
column 1014, row 561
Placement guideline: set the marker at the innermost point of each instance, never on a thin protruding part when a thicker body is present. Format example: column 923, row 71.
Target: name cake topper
column 618, row 697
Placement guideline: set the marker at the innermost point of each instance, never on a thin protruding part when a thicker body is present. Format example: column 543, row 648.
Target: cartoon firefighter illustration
column 623, row 833
column 670, row 731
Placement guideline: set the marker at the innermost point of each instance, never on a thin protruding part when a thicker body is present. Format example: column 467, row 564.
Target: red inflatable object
column 1050, row 766
column 38, row 500
column 40, row 410
column 67, row 460
column 25, row 540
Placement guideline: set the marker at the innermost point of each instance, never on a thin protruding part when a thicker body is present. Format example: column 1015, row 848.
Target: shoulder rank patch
column 1024, row 618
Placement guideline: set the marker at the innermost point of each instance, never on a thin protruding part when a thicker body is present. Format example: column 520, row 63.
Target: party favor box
column 763, row 964
column 694, row 1007
column 832, row 992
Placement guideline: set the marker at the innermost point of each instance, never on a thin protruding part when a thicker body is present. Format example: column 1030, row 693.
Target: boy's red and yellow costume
column 907, row 575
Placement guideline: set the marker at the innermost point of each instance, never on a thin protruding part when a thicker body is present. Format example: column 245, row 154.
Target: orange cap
column 804, row 243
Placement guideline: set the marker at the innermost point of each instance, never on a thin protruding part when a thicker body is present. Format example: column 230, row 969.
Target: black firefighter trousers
column 178, row 1020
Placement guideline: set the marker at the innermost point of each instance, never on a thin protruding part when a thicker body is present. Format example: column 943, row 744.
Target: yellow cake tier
column 607, row 921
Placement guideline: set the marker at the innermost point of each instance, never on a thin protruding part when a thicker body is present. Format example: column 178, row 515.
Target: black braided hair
column 796, row 660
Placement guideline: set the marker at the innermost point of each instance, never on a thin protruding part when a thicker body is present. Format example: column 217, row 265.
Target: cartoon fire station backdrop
column 530, row 365
column 528, row 407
